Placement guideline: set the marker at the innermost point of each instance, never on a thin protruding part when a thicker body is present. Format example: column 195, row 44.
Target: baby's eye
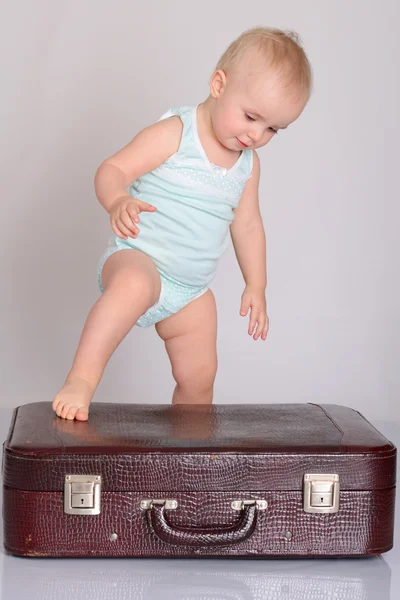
column 270, row 128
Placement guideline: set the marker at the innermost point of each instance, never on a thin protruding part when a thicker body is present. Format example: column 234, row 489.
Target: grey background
column 80, row 79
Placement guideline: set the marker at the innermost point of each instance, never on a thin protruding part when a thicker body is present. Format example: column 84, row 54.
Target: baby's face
column 252, row 107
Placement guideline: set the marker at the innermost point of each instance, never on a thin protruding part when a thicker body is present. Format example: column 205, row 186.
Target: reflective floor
column 203, row 579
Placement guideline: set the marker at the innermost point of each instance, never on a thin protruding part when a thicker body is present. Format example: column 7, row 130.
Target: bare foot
column 73, row 400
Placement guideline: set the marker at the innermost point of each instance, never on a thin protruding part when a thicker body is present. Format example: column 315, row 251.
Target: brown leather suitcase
column 229, row 480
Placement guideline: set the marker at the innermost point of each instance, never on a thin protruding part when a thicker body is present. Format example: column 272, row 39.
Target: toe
column 59, row 408
column 82, row 414
column 65, row 410
column 71, row 413
column 56, row 402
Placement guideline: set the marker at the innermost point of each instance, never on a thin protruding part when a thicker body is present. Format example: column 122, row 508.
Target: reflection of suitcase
column 362, row 579
column 254, row 480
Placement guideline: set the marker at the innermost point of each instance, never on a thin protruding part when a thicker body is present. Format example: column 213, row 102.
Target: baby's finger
column 117, row 232
column 260, row 327
column 132, row 214
column 127, row 221
column 145, row 206
column 123, row 228
column 253, row 320
column 265, row 331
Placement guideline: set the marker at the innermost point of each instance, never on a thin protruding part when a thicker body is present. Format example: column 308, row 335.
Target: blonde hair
column 279, row 48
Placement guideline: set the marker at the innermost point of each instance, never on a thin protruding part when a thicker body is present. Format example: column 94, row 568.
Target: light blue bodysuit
column 189, row 231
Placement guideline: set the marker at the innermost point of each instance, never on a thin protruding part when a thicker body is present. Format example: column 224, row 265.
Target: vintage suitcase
column 228, row 480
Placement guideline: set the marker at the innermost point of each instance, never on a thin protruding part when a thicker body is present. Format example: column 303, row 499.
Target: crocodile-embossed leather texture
column 205, row 457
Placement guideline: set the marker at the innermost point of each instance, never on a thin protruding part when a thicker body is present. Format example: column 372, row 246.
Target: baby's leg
column 131, row 285
column 190, row 337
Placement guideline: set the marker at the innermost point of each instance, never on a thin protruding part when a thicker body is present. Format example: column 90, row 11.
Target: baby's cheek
column 224, row 131
column 228, row 125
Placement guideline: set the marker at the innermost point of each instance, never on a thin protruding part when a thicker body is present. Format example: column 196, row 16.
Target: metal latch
column 172, row 504
column 169, row 503
column 239, row 504
column 321, row 493
column 82, row 494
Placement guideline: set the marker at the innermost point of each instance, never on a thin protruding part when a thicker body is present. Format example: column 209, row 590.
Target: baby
column 193, row 178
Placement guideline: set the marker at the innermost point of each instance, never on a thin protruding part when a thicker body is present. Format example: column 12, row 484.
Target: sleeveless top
column 189, row 231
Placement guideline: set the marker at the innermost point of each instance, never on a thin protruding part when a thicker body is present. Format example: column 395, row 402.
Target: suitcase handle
column 182, row 536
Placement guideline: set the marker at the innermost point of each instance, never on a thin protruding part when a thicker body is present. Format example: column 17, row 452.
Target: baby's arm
column 248, row 234
column 248, row 237
column 148, row 150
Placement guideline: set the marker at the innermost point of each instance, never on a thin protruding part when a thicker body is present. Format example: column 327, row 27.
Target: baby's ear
column 217, row 83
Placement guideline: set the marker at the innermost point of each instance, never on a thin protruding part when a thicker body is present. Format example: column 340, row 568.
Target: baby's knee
column 133, row 272
column 198, row 377
column 134, row 286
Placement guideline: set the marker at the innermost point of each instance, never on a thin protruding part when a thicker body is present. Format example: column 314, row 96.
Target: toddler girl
column 174, row 194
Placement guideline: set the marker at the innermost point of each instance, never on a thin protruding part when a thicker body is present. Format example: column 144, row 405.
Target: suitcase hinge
column 321, row 493
column 82, row 494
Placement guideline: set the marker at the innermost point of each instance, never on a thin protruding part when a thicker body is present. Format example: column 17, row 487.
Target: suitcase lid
column 292, row 433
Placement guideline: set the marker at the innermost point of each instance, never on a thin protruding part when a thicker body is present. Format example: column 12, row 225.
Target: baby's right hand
column 124, row 214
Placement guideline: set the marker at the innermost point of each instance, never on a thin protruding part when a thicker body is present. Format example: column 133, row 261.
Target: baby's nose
column 255, row 136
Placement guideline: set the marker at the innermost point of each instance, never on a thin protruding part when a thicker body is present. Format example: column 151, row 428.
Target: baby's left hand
column 254, row 298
